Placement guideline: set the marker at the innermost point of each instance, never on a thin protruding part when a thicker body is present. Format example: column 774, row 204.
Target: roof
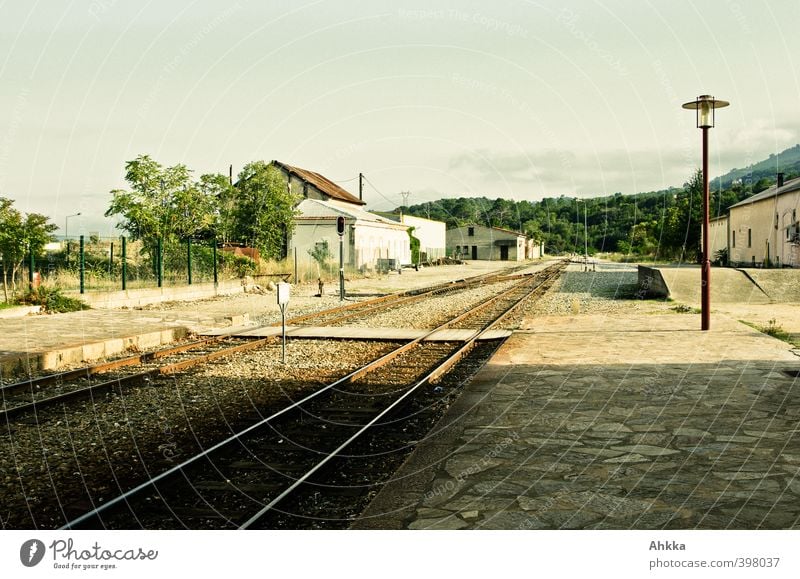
column 323, row 184
column 316, row 209
column 509, row 231
column 773, row 191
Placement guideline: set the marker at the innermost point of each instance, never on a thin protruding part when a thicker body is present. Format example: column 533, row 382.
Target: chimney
column 780, row 179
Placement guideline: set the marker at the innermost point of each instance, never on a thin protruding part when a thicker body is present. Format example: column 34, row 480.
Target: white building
column 764, row 229
column 367, row 237
column 431, row 234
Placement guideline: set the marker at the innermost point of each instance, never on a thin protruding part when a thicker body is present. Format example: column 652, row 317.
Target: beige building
column 718, row 236
column 763, row 230
column 489, row 243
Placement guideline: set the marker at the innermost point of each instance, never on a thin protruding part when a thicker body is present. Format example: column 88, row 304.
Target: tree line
column 661, row 224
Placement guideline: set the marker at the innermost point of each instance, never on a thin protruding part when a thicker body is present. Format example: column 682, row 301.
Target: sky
column 439, row 98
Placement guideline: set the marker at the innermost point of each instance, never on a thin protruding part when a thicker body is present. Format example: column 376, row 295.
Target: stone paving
column 613, row 422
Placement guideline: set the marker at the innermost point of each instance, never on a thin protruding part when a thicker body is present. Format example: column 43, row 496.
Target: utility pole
column 361, row 186
column 405, row 195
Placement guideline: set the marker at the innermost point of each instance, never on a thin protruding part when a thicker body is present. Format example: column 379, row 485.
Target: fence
column 108, row 264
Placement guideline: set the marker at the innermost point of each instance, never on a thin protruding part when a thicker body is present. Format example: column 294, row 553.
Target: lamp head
column 705, row 105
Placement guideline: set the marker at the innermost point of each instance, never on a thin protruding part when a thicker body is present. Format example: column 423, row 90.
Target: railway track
column 368, row 308
column 241, row 481
column 29, row 396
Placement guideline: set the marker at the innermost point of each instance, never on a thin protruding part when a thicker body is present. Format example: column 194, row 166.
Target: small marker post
column 283, row 291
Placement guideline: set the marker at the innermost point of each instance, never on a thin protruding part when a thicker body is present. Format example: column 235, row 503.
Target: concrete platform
column 627, row 421
column 36, row 343
column 358, row 333
column 727, row 286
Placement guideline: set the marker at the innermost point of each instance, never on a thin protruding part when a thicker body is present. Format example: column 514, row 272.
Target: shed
column 489, row 243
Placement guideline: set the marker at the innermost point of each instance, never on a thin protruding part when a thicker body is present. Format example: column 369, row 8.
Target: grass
column 774, row 329
column 684, row 309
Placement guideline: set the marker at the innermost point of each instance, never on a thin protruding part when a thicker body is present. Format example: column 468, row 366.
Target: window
column 749, row 238
column 733, row 241
column 471, row 231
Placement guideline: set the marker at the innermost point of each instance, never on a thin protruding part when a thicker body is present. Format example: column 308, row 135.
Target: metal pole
column 82, row 266
column 705, row 305
column 341, row 268
column 214, row 256
column 31, row 266
column 159, row 264
column 189, row 259
column 124, row 263
column 111, row 259
column 585, row 238
column 295, row 265
column 283, row 326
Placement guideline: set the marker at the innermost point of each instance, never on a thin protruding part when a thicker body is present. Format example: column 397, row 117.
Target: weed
column 684, row 309
column 52, row 300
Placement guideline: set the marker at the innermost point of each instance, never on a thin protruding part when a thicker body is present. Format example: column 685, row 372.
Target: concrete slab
column 727, row 286
column 623, row 421
column 359, row 333
column 37, row 343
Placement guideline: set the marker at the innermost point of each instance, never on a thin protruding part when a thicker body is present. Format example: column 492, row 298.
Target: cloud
column 536, row 174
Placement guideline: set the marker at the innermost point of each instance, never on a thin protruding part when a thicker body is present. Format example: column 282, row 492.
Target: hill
column 787, row 161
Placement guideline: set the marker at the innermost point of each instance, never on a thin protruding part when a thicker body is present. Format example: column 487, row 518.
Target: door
column 474, row 252
column 503, row 253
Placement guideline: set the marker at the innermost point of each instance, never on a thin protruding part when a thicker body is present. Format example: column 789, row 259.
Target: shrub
column 52, row 300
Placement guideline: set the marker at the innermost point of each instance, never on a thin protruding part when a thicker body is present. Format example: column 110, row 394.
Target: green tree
column 20, row 234
column 265, row 210
column 163, row 203
column 217, row 188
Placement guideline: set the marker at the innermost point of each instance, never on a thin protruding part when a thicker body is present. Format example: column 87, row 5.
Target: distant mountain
column 787, row 162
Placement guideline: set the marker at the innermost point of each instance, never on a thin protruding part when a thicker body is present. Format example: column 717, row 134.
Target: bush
column 52, row 300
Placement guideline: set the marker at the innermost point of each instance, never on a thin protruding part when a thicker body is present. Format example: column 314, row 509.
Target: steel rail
column 89, row 371
column 132, row 379
column 430, row 377
column 205, row 454
column 391, row 300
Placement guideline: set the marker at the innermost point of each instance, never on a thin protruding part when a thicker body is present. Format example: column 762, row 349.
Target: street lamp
column 66, row 223
column 705, row 105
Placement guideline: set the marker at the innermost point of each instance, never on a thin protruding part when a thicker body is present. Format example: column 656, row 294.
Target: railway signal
column 340, row 231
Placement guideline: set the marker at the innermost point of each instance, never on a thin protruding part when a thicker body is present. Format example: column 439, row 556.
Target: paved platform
column 623, row 421
column 49, row 342
column 358, row 333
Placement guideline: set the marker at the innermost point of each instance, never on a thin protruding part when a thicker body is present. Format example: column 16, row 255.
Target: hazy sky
column 509, row 98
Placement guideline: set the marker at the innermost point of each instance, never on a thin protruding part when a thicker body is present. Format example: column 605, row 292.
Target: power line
column 378, row 191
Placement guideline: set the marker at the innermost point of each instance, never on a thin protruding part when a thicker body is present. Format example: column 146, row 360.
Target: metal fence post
column 160, row 263
column 124, row 264
column 214, row 254
column 82, row 265
column 189, row 259
column 111, row 259
column 31, row 266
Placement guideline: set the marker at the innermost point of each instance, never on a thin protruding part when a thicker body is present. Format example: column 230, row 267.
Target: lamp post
column 66, row 231
column 705, row 105
column 66, row 223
